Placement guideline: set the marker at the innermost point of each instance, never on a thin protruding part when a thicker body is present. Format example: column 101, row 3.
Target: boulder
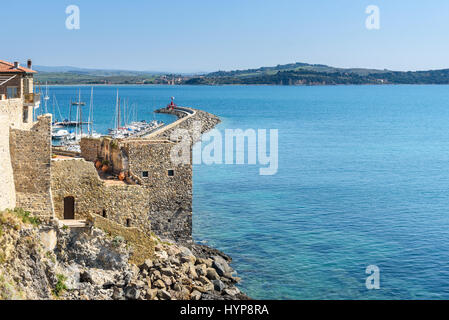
column 177, row 287
column 159, row 284
column 212, row 274
column 204, row 288
column 132, row 293
column 203, row 280
column 162, row 255
column 167, row 272
column 218, row 285
column 118, row 294
column 147, row 265
column 201, row 269
column 231, row 291
column 163, row 294
column 192, row 272
column 221, row 266
column 167, row 281
column 195, row 295
column 151, row 294
column 187, row 255
column 174, row 261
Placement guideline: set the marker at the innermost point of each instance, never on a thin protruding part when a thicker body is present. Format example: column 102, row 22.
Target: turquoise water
column 363, row 180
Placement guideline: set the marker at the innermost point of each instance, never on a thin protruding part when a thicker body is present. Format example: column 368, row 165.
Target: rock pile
column 176, row 273
column 50, row 262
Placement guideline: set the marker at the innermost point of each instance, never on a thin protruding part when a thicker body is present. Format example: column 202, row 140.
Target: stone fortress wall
column 30, row 152
column 158, row 195
column 24, row 150
column 8, row 194
column 121, row 203
column 24, row 158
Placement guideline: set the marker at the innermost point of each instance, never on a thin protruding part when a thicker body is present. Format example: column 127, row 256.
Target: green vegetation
column 24, row 216
column 117, row 241
column 100, row 77
column 309, row 76
column 60, row 285
column 288, row 74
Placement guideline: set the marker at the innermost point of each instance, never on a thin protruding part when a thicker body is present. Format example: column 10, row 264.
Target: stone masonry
column 30, row 157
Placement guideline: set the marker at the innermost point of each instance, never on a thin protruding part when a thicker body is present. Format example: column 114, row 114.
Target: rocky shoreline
column 47, row 261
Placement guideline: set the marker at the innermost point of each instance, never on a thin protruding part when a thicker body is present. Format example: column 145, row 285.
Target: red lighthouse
column 172, row 104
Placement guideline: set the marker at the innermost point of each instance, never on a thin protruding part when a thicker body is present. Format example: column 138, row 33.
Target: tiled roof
column 6, row 67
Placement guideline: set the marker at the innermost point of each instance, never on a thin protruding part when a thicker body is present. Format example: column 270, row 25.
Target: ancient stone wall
column 162, row 200
column 13, row 110
column 30, row 157
column 90, row 148
column 169, row 186
column 142, row 243
column 119, row 202
column 8, row 192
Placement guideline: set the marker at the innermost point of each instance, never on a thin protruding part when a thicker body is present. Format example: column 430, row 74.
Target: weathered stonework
column 147, row 162
column 124, row 204
column 30, row 157
column 24, row 144
column 14, row 109
column 8, row 194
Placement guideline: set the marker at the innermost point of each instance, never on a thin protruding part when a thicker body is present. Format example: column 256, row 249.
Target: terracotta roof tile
column 6, row 67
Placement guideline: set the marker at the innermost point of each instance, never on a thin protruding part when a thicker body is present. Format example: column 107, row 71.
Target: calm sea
column 363, row 180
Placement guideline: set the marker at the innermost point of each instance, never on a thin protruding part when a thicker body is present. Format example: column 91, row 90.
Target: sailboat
column 118, row 132
column 90, row 122
column 46, row 97
column 135, row 128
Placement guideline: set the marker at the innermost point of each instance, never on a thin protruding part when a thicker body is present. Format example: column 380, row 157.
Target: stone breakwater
column 52, row 262
column 186, row 120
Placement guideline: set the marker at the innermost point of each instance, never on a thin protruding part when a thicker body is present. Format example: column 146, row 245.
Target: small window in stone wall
column 145, row 174
column 104, row 214
column 128, row 223
column 171, row 173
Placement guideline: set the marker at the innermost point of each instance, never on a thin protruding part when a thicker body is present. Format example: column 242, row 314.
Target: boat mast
column 70, row 112
column 76, row 124
column 118, row 114
column 90, row 122
column 46, row 98
column 81, row 113
column 53, row 109
column 124, row 111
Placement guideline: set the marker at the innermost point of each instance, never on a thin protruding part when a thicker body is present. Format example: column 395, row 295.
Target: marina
column 68, row 131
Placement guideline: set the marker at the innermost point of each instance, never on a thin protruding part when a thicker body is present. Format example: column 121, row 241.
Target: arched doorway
column 69, row 208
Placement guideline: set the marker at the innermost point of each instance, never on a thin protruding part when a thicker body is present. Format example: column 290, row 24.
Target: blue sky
column 200, row 35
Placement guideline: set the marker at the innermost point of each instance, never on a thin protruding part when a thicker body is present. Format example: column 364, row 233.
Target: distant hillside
column 288, row 74
column 317, row 74
column 291, row 67
column 70, row 75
